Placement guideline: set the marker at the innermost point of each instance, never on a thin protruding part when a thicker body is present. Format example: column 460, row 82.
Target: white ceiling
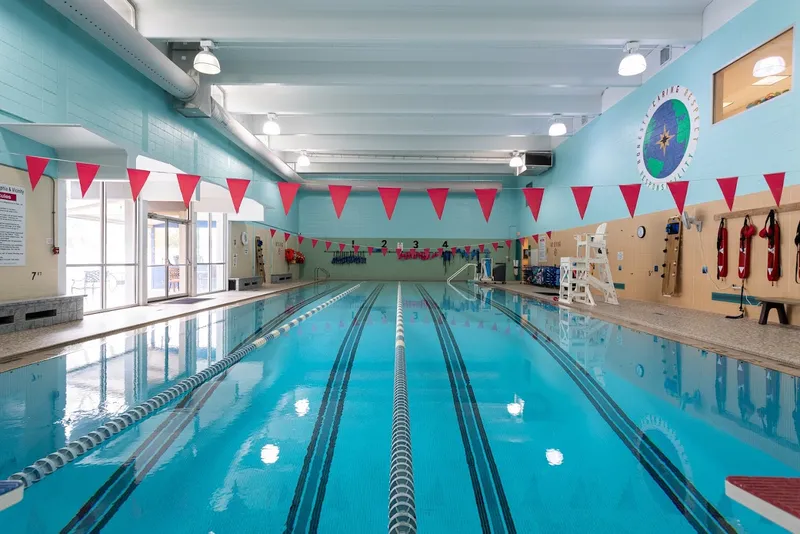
column 399, row 86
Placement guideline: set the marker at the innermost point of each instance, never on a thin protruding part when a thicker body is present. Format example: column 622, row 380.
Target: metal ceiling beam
column 392, row 144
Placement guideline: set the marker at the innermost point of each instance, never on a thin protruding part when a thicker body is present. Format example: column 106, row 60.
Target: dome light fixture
column 205, row 62
column 271, row 127
column 769, row 66
column 303, row 160
column 515, row 161
column 633, row 63
column 558, row 128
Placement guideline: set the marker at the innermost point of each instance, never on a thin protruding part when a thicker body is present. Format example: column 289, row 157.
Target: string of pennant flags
column 339, row 194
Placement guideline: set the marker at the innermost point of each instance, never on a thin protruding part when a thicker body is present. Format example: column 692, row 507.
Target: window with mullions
column 754, row 79
column 101, row 245
column 210, row 252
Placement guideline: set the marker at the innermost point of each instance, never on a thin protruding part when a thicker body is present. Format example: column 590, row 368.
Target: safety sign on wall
column 12, row 225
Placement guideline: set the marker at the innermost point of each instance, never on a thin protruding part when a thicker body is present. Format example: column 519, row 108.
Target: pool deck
column 772, row 345
column 30, row 346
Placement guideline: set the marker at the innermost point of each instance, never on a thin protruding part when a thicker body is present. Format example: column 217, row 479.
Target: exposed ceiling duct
column 102, row 22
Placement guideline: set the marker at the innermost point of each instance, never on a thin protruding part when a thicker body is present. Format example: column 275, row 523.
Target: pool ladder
column 462, row 269
column 319, row 272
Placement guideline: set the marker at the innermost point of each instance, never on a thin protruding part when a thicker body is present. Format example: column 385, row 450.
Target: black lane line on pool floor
column 102, row 506
column 311, row 484
column 700, row 513
column 117, row 483
column 486, row 483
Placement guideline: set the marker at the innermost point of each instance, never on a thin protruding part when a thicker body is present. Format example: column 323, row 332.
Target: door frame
column 188, row 253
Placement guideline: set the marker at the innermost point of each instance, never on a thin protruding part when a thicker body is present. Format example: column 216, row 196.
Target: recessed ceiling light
column 770, row 80
column 726, row 104
column 769, row 66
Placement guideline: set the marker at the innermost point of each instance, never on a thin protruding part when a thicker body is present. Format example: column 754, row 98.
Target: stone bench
column 34, row 313
column 282, row 277
column 244, row 284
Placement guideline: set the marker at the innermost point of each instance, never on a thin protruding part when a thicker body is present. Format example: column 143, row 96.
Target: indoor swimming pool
column 524, row 417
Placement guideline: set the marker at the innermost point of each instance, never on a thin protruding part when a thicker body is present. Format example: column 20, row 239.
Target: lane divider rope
column 54, row 461
column 402, row 507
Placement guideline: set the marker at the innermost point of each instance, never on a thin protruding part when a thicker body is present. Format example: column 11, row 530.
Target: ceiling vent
column 666, row 55
column 536, row 163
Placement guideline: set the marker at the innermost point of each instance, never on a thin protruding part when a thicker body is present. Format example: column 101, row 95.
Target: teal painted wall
column 52, row 72
column 364, row 216
column 379, row 267
column 761, row 140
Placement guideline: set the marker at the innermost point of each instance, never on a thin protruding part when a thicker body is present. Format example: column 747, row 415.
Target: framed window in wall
column 210, row 252
column 756, row 78
column 101, row 245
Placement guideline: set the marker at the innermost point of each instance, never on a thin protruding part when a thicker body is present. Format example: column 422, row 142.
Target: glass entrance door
column 168, row 259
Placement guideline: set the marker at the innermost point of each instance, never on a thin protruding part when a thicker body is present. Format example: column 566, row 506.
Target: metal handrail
column 464, row 267
column 319, row 270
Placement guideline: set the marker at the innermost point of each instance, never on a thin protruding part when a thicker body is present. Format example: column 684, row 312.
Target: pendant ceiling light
column 515, row 161
column 303, row 160
column 633, row 63
column 769, row 66
column 271, row 127
column 205, row 61
column 558, row 128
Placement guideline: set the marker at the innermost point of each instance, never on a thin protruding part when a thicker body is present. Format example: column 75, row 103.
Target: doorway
column 168, row 257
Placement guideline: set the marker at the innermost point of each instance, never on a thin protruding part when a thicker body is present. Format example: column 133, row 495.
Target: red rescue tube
column 772, row 233
column 722, row 250
column 745, row 242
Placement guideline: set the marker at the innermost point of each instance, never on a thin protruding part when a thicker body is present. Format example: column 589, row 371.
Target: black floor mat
column 187, row 300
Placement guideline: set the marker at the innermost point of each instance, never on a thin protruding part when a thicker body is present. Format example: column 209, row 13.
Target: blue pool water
column 524, row 418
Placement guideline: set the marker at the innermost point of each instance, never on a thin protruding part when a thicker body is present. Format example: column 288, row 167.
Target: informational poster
column 542, row 250
column 12, row 225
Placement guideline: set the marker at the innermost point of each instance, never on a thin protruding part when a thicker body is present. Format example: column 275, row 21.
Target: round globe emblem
column 668, row 137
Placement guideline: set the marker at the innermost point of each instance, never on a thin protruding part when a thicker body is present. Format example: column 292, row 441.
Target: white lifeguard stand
column 576, row 278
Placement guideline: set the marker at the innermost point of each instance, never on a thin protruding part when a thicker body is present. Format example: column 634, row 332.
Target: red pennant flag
column 533, row 196
column 486, row 200
column 728, row 187
column 389, row 197
column 631, row 195
column 339, row 194
column 137, row 179
column 286, row 236
column 369, row 250
column 495, row 244
column 427, row 251
column 582, row 194
column 775, row 183
column 36, row 167
column 398, row 250
column 327, row 245
column 341, row 247
column 187, row 184
column 86, row 174
column 481, row 247
column 384, row 250
column 679, row 190
column 535, row 237
column 237, row 188
column 288, row 191
column 508, row 243
column 356, row 247
column 466, row 248
column 549, row 234
column 300, row 239
column 521, row 238
column 272, row 232
column 438, row 199
column 453, row 250
column 440, row 250
column 314, row 242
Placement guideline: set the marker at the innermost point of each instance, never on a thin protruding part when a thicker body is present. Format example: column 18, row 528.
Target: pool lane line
column 52, row 462
column 118, row 480
column 310, row 488
column 701, row 514
column 402, row 505
column 486, row 482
